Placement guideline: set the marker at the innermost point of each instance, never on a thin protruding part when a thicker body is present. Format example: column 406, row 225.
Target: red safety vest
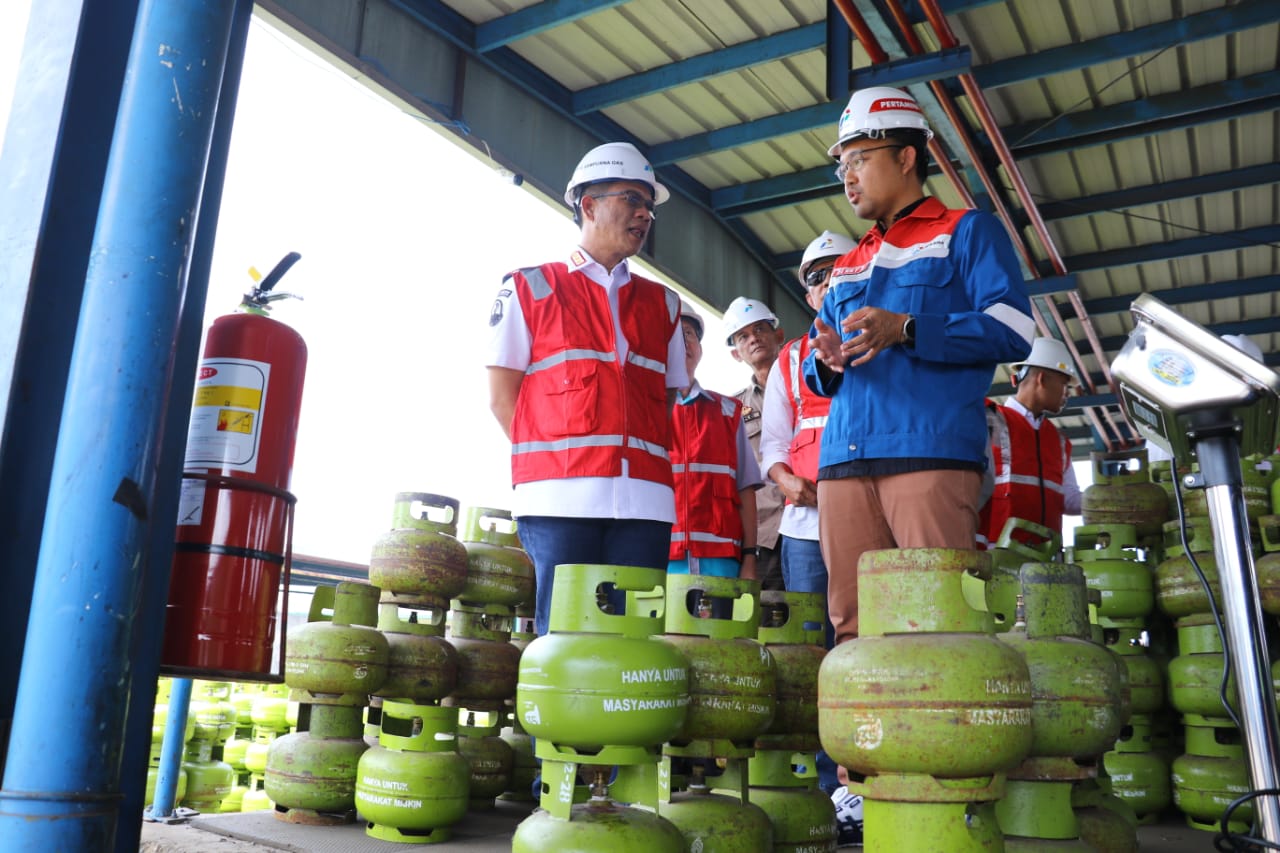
column 579, row 412
column 1029, row 465
column 808, row 412
column 704, row 459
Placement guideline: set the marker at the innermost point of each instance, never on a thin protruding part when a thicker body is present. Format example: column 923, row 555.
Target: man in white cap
column 584, row 359
column 716, row 475
column 754, row 336
column 1034, row 479
column 915, row 321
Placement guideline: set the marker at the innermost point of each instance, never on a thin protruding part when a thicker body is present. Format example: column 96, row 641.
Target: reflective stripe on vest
column 570, row 355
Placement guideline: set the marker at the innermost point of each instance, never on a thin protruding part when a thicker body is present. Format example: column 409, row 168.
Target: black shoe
column 848, row 817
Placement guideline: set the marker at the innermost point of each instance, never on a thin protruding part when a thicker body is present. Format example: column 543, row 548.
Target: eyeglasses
column 818, row 277
column 633, row 199
column 857, row 161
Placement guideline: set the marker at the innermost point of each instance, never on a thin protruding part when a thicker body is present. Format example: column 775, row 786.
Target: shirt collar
column 1016, row 405
column 695, row 391
column 580, row 261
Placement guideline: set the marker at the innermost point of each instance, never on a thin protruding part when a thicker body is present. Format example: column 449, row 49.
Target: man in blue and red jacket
column 915, row 321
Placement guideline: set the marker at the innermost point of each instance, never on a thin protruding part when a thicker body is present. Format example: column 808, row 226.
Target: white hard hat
column 826, row 245
column 1245, row 345
column 742, row 312
column 1051, row 354
column 687, row 310
column 614, row 161
column 873, row 111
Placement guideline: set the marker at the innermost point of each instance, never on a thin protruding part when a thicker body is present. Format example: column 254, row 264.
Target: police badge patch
column 495, row 316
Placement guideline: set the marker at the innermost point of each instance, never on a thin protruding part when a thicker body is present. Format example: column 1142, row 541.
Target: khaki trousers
column 922, row 509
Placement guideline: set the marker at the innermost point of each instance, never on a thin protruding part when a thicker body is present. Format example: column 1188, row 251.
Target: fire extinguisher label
column 226, row 418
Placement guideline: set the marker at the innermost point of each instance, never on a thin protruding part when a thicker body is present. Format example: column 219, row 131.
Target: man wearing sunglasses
column 584, row 359
column 915, row 321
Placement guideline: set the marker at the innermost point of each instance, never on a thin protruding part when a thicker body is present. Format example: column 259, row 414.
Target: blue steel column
column 51, row 175
column 61, row 787
column 155, row 589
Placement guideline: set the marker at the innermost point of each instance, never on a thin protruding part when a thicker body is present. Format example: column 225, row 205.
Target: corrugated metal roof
column 1145, row 131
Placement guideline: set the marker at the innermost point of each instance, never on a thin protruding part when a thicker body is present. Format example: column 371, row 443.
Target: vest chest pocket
column 574, row 396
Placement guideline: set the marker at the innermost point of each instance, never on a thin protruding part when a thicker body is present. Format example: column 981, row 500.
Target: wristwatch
column 909, row 331
column 751, row 550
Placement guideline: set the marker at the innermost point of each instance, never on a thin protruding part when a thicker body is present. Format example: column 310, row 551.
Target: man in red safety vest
column 716, row 475
column 1034, row 479
column 584, row 359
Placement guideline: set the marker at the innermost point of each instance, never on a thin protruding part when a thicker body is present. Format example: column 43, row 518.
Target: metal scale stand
column 1196, row 395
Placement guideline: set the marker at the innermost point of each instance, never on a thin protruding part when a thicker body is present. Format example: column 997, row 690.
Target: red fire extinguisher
column 235, row 515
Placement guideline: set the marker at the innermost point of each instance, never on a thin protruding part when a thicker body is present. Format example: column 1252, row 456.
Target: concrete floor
column 479, row 832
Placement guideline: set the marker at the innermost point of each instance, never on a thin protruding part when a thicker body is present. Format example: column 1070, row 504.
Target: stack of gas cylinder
column 158, row 722
column 601, row 694
column 706, row 731
column 781, row 772
column 499, row 577
column 332, row 666
column 1211, row 771
column 209, row 778
column 262, row 715
column 413, row 782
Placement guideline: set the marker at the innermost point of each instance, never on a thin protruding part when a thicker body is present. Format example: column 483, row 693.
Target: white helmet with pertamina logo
column 613, row 161
column 873, row 111
column 828, row 244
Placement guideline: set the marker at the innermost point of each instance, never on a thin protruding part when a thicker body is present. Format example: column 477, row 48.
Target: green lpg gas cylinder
column 1109, row 555
column 255, row 799
column 341, row 655
column 422, row 665
column 1020, row 542
column 1161, row 473
column 716, row 823
column 524, row 769
column 414, row 785
column 1145, row 675
column 522, row 628
column 1139, row 774
column 732, row 679
column 1106, row 822
column 256, row 751
column 498, row 569
column 315, row 769
column 489, row 756
column 233, row 752
column 270, row 712
column 233, row 802
column 926, row 688
column 791, row 628
column 488, row 665
column 1122, row 493
column 1195, row 675
column 911, row 826
column 1076, row 684
column 1255, row 487
column 208, row 781
column 420, row 559
column 600, row 678
column 1268, row 565
column 213, row 710
column 153, row 773
column 598, row 825
column 158, row 720
column 784, row 785
column 1211, row 774
column 1179, row 591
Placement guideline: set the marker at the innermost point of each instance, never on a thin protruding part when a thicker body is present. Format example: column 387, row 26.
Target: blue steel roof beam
column 1193, row 187
column 1170, row 249
column 839, row 47
column 1260, row 326
column 461, row 32
column 770, row 127
column 1176, row 110
column 721, row 61
column 920, row 69
column 535, row 19
column 1149, row 39
column 1192, row 293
